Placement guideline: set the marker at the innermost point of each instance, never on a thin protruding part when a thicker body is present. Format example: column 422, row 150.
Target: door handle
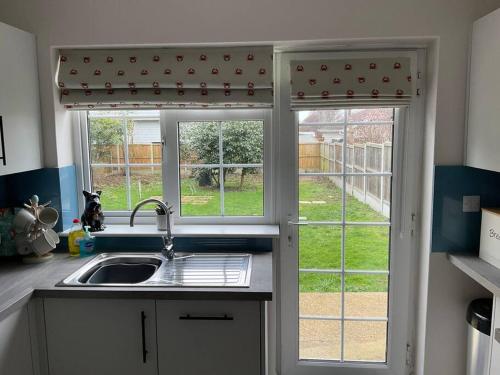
column 191, row 317
column 143, row 327
column 497, row 335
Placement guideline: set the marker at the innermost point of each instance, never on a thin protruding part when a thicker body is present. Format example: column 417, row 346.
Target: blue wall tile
column 68, row 196
column 455, row 231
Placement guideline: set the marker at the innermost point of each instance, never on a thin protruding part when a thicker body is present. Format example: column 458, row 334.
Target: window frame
column 406, row 195
column 169, row 120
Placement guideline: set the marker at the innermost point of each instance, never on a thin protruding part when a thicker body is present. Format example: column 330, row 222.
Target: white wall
column 161, row 22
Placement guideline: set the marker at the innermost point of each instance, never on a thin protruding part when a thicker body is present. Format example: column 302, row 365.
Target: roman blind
column 350, row 82
column 163, row 78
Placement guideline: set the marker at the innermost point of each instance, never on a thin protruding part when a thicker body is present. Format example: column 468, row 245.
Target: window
column 125, row 157
column 215, row 163
column 221, row 168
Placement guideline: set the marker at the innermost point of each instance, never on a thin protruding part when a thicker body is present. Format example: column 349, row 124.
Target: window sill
column 225, row 231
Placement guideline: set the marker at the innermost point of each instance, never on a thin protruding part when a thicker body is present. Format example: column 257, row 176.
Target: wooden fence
column 360, row 158
column 137, row 154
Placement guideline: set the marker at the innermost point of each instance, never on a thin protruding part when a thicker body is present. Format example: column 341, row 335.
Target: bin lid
column 479, row 314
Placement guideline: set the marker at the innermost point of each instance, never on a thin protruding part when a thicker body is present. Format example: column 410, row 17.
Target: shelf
column 484, row 273
column 226, row 231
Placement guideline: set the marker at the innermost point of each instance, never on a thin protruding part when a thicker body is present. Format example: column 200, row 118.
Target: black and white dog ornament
column 93, row 216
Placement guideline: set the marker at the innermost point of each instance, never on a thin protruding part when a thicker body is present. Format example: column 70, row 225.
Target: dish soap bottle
column 87, row 243
column 76, row 234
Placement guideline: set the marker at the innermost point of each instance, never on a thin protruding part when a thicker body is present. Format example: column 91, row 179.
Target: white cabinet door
column 495, row 340
column 19, row 101
column 483, row 133
column 100, row 336
column 15, row 346
column 209, row 337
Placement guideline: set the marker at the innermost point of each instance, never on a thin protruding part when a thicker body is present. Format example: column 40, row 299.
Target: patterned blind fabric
column 163, row 78
column 351, row 82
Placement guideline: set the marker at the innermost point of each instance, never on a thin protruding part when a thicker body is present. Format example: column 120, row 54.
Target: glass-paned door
column 344, row 211
column 346, row 270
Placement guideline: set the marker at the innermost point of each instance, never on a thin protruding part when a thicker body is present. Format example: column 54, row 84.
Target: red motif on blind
column 397, row 65
column 250, row 57
column 191, row 71
column 203, row 57
column 107, row 85
column 375, row 93
column 86, row 59
column 88, row 92
column 132, row 59
column 156, row 84
column 361, row 79
column 347, row 67
column 121, row 73
column 373, row 66
column 215, row 71
column 84, row 85
column 97, row 72
column 156, row 58
column 336, row 80
column 386, row 79
column 312, row 81
column 131, row 85
column 399, row 93
column 179, row 84
column 299, row 68
column 324, row 68
column 61, row 84
column 144, row 72
column 251, row 85
column 179, row 58
column 167, row 71
column 238, row 71
column 262, row 71
column 73, row 72
column 227, row 85
column 251, row 92
column 133, row 92
column 64, row 59
column 325, row 94
column 349, row 93
column 227, row 57
column 203, row 84
column 109, row 59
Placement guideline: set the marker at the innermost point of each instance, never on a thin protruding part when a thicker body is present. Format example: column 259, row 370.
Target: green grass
column 366, row 247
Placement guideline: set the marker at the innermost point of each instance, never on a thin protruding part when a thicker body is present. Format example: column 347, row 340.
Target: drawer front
column 209, row 337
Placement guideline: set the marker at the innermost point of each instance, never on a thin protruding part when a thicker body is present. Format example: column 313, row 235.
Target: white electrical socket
column 471, row 203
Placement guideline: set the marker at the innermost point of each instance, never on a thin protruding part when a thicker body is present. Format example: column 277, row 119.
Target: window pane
column 370, row 115
column 200, row 192
column 365, row 341
column 199, row 142
column 319, row 339
column 366, row 295
column 321, row 148
column 243, row 142
column 144, row 141
column 329, row 116
column 320, row 198
column 106, row 140
column 319, row 246
column 112, row 182
column 367, row 248
column 146, row 182
column 243, row 192
column 319, row 294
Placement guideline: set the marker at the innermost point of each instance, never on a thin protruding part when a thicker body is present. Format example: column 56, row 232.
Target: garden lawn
column 366, row 247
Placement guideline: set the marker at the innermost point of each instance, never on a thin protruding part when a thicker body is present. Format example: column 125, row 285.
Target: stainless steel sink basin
column 186, row 270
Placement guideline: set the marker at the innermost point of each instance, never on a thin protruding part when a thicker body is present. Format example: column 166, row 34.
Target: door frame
column 405, row 208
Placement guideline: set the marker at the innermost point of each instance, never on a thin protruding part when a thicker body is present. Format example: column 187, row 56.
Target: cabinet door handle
column 213, row 317
column 2, row 143
column 143, row 326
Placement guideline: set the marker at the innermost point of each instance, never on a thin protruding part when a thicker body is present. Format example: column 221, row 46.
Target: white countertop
column 255, row 231
column 484, row 273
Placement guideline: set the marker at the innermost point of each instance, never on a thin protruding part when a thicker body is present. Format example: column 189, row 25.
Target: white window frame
column 406, row 193
column 169, row 120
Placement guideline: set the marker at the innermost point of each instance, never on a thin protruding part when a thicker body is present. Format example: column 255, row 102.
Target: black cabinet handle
column 2, row 143
column 143, row 325
column 190, row 317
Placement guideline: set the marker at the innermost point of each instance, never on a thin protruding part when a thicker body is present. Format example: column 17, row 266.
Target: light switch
column 471, row 203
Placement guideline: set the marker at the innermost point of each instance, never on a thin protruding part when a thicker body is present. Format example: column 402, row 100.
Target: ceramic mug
column 23, row 221
column 47, row 216
column 46, row 242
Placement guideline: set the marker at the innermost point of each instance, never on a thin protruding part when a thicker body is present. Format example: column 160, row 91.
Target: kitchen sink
column 153, row 270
